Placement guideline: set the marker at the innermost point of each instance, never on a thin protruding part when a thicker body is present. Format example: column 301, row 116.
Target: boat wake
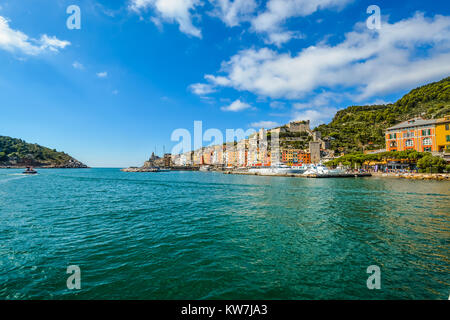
column 17, row 176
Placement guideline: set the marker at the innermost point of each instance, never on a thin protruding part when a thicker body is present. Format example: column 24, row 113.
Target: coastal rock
column 141, row 169
column 72, row 164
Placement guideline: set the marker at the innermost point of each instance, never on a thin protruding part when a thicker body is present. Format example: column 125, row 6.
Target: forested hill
column 359, row 128
column 18, row 153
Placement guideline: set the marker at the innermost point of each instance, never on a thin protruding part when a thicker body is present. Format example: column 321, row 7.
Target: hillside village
column 297, row 144
column 393, row 136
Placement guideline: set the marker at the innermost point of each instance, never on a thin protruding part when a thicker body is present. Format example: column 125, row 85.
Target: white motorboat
column 205, row 168
column 320, row 169
column 278, row 169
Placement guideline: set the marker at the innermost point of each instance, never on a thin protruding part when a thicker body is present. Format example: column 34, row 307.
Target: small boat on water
column 30, row 171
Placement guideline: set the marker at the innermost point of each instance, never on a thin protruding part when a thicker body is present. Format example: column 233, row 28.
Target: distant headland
column 16, row 153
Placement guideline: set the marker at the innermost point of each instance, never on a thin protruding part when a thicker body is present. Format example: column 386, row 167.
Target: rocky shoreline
column 71, row 165
column 415, row 176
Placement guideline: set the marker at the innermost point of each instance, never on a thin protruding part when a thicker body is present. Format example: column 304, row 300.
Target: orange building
column 295, row 157
column 207, row 156
column 230, row 156
column 415, row 134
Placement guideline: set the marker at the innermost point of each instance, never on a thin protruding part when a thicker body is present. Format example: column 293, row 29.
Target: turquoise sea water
column 194, row 235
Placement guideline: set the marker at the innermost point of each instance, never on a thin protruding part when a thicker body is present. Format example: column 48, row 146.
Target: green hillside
column 360, row 128
column 16, row 152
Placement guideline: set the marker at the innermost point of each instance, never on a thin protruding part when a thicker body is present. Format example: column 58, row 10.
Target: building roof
column 417, row 122
column 445, row 119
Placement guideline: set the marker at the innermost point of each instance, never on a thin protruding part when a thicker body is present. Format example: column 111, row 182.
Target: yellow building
column 443, row 134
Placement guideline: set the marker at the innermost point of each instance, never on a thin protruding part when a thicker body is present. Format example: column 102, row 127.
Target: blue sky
column 111, row 92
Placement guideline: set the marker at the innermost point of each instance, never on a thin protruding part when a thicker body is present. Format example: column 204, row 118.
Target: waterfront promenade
column 297, row 175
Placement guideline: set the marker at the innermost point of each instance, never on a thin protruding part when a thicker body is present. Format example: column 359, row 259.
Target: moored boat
column 320, row 169
column 205, row 168
column 278, row 169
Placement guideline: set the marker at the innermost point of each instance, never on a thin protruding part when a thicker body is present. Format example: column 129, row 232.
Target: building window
column 393, row 144
column 409, row 143
column 427, row 142
column 393, row 136
column 447, row 126
column 448, row 138
column 427, row 149
column 426, row 132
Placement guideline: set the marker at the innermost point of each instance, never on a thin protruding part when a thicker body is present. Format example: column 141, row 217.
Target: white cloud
column 319, row 100
column 178, row 11
column 368, row 62
column 277, row 12
column 264, row 124
column 52, row 43
column 277, row 105
column 201, row 89
column 236, row 106
column 16, row 41
column 278, row 38
column 78, row 65
column 218, row 80
column 232, row 13
column 103, row 74
column 315, row 116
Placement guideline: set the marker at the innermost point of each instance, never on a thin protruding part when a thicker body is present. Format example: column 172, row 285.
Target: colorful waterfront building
column 443, row 134
column 242, row 153
column 217, row 154
column 415, row 134
column 230, row 155
column 295, row 157
column 207, row 155
column 252, row 155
